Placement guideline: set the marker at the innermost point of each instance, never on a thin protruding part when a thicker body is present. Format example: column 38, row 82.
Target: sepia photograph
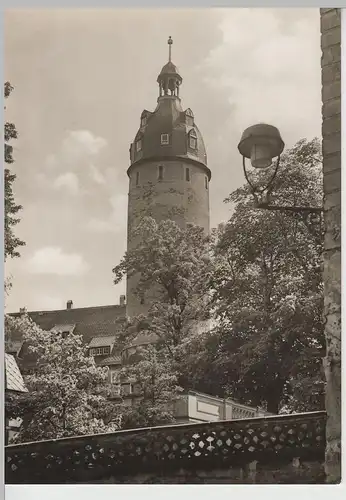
column 172, row 246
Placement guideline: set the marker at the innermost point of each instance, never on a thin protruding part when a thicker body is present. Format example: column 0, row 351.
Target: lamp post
column 261, row 144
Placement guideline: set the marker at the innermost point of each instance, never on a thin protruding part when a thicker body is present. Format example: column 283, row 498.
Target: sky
column 82, row 79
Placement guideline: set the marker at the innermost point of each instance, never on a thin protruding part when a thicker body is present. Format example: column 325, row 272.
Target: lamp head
column 261, row 143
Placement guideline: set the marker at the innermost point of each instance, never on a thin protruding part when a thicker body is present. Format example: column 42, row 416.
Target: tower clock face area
column 168, row 173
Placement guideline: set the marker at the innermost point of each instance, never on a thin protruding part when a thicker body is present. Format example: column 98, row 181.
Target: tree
column 267, row 292
column 66, row 395
column 155, row 389
column 12, row 243
column 173, row 266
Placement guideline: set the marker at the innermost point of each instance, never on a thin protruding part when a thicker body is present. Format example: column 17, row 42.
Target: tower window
column 160, row 174
column 192, row 140
column 164, row 138
column 187, row 174
column 206, row 182
column 139, row 145
column 137, row 178
column 143, row 121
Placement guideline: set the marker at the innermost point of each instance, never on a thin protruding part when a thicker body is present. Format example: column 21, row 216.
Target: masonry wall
column 331, row 147
column 173, row 197
column 293, row 472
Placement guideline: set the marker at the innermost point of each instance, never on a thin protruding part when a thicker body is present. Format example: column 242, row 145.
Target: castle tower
column 168, row 173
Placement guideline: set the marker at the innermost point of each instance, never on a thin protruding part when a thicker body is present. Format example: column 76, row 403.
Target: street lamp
column 262, row 143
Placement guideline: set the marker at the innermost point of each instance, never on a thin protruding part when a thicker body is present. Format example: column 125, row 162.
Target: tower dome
column 168, row 131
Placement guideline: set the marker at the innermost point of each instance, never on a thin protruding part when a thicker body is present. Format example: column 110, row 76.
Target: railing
column 191, row 446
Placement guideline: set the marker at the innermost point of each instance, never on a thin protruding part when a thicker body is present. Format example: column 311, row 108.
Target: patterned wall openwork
column 190, row 446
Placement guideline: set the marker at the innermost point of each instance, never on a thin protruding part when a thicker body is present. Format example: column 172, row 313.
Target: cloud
column 96, row 175
column 267, row 68
column 51, row 162
column 74, row 155
column 81, row 144
column 68, row 182
column 116, row 221
column 52, row 260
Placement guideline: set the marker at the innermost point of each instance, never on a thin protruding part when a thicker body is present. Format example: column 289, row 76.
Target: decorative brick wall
column 286, row 449
column 331, row 148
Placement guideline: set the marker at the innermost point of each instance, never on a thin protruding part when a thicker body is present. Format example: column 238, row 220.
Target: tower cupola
column 169, row 131
column 169, row 79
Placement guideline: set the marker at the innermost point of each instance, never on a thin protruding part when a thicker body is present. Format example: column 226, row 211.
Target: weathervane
column 170, row 41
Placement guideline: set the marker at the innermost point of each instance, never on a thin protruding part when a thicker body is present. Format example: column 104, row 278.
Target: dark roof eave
column 170, row 158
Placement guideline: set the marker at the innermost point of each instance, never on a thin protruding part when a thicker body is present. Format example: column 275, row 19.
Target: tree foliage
column 155, row 388
column 173, row 267
column 267, row 292
column 12, row 242
column 66, row 389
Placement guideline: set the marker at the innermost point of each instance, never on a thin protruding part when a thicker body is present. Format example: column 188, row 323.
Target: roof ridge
column 73, row 309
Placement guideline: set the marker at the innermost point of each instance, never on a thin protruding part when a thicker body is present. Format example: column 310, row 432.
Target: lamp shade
column 261, row 143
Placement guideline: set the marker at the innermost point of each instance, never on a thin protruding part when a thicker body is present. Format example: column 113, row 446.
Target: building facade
column 331, row 150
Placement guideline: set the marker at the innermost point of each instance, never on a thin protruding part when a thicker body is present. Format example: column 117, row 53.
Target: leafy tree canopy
column 66, row 389
column 12, row 243
column 267, row 291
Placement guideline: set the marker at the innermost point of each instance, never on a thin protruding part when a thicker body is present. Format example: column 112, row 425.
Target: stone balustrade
column 160, row 451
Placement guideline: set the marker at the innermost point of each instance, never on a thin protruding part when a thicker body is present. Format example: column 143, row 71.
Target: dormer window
column 193, row 140
column 139, row 145
column 164, row 139
column 100, row 351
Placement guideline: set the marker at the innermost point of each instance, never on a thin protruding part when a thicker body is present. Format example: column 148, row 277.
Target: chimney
column 22, row 310
column 69, row 304
column 122, row 300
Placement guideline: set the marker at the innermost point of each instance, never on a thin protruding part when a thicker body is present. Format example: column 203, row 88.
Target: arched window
column 137, row 178
column 192, row 139
column 187, row 174
column 139, row 145
column 160, row 173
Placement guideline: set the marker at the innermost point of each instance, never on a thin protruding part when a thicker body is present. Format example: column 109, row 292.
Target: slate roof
column 111, row 360
column 13, row 378
column 63, row 328
column 169, row 69
column 89, row 321
column 102, row 341
column 170, row 118
column 143, row 339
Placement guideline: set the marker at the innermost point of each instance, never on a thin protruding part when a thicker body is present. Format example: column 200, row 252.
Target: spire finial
column 170, row 41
